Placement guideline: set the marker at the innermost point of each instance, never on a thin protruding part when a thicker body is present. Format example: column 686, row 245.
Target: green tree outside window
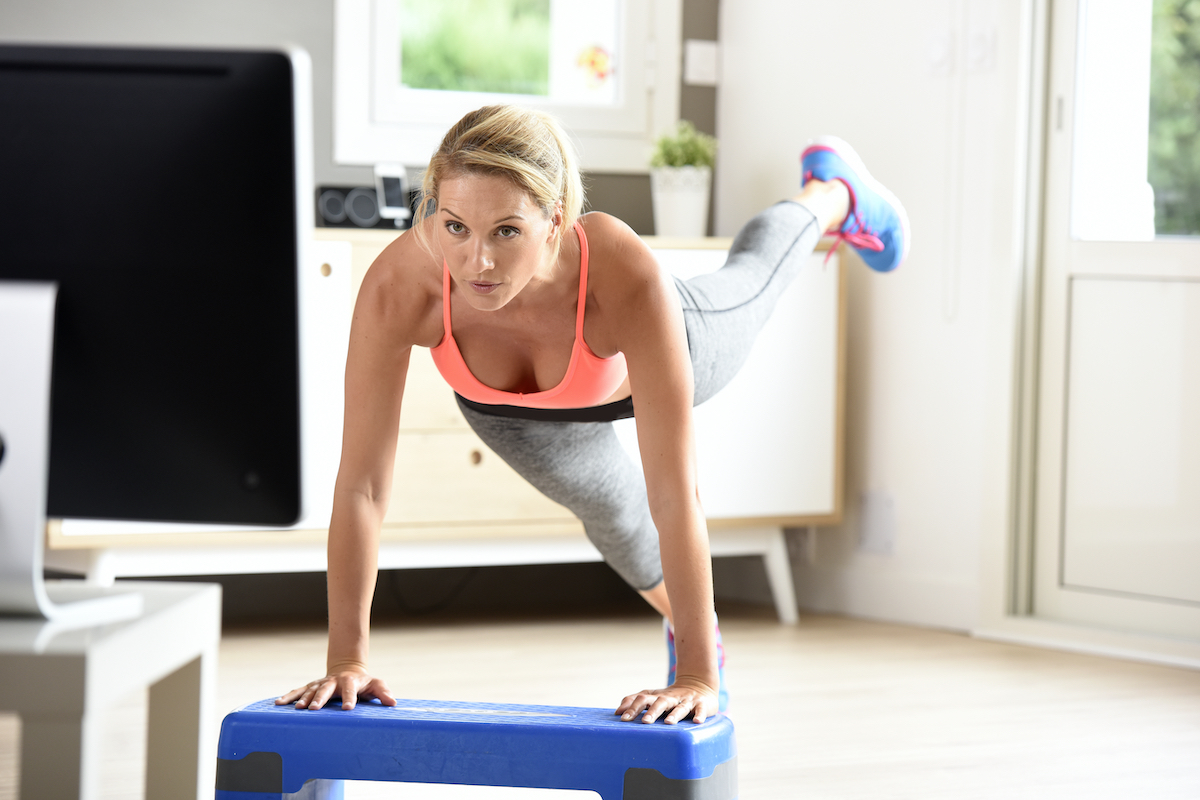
column 500, row 46
column 1174, row 157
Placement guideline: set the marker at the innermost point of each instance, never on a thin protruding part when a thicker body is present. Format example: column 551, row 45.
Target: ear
column 556, row 221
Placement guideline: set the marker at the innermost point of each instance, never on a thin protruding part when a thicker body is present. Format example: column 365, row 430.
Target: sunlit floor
column 832, row 708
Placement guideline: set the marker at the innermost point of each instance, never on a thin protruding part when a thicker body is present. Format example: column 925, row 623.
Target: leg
column 725, row 310
column 828, row 201
column 583, row 466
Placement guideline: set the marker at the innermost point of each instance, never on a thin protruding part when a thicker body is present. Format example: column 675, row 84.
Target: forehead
column 468, row 192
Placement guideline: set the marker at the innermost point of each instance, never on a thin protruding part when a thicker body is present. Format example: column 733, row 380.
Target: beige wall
column 930, row 346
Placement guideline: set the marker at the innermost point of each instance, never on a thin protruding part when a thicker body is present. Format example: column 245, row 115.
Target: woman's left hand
column 678, row 701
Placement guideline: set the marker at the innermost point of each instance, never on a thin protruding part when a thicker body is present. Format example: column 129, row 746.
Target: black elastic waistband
column 609, row 412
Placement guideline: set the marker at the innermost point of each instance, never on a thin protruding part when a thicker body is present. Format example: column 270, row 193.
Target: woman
column 550, row 325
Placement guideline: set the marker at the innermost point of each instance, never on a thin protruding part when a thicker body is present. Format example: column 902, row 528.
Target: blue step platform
column 271, row 752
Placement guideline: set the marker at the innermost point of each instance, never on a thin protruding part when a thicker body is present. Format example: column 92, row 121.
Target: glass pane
column 476, row 45
column 1111, row 200
column 564, row 50
column 1174, row 162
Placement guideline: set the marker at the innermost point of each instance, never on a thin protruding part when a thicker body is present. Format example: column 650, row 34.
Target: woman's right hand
column 348, row 683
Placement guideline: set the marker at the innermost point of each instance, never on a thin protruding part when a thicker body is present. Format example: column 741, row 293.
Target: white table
column 61, row 681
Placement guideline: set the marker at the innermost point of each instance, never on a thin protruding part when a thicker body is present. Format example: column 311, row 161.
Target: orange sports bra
column 590, row 380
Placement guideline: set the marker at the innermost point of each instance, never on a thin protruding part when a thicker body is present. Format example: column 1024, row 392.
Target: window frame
column 617, row 139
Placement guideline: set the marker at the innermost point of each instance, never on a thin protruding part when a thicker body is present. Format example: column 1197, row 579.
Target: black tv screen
column 158, row 189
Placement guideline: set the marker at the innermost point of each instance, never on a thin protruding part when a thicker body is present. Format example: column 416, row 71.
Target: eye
column 455, row 226
column 507, row 232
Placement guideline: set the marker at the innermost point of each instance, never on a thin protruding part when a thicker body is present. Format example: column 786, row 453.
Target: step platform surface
column 269, row 751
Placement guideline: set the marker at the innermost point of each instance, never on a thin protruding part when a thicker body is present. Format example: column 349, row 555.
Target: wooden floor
column 832, row 708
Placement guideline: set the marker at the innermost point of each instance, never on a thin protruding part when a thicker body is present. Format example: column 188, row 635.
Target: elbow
column 675, row 507
column 362, row 499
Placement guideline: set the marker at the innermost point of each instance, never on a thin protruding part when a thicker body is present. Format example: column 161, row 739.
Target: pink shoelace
column 858, row 237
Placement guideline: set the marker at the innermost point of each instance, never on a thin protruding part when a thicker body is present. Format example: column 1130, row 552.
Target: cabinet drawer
column 451, row 477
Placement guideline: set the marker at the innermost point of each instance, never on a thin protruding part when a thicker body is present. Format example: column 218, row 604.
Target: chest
column 527, row 350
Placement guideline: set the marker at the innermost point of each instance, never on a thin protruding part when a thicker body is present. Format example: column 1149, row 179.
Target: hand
column 348, row 683
column 680, row 699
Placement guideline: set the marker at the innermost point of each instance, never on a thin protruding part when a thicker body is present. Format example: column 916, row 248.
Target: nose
column 481, row 259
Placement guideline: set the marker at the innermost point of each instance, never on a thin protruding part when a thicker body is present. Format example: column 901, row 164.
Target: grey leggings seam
column 583, row 466
column 778, row 264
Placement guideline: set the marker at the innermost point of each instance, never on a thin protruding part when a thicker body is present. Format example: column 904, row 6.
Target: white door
column 1117, row 525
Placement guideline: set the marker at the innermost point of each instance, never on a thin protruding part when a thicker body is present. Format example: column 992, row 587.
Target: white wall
column 931, row 94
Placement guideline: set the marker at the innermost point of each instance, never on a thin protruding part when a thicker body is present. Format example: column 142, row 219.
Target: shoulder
column 401, row 294
column 627, row 289
column 618, row 258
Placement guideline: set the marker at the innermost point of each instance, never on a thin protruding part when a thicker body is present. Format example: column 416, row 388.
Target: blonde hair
column 529, row 148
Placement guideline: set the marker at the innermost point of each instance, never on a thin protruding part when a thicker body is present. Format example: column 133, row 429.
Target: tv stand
column 26, row 352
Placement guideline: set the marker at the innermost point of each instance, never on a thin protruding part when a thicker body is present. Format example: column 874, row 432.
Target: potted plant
column 681, row 181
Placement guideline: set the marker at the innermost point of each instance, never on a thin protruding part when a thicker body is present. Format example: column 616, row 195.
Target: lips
column 483, row 287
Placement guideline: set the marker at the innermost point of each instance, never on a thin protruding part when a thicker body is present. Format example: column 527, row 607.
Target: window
column 405, row 70
column 1137, row 159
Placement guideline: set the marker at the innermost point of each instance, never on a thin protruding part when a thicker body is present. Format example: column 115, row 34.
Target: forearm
column 353, row 559
column 687, row 573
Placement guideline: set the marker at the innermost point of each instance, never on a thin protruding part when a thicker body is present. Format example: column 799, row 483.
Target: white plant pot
column 680, row 196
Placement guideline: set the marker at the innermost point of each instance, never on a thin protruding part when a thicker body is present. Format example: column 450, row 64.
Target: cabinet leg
column 779, row 576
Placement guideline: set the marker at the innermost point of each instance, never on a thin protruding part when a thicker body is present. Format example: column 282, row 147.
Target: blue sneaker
column 722, row 692
column 877, row 225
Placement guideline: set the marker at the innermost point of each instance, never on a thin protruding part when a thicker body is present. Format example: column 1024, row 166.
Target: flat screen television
column 163, row 196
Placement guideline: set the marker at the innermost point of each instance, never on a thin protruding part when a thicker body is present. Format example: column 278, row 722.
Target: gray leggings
column 583, row 466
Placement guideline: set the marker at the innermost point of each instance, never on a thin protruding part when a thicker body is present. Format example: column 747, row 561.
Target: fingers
column 318, row 694
column 350, row 688
column 634, row 704
column 311, row 696
column 289, row 697
column 676, row 705
column 378, row 689
column 349, row 695
column 681, row 710
column 650, row 705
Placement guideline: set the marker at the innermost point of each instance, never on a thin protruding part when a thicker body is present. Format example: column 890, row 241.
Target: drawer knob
column 476, row 457
column 326, row 270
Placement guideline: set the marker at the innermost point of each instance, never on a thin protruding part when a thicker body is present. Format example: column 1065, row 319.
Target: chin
column 490, row 302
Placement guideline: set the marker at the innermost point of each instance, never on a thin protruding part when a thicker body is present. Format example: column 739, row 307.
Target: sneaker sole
column 848, row 154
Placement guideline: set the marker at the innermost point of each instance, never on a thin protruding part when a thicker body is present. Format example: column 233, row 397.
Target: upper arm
column 650, row 331
column 391, row 314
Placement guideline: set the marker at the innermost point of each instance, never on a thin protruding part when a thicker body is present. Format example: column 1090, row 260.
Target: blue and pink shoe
column 722, row 692
column 877, row 225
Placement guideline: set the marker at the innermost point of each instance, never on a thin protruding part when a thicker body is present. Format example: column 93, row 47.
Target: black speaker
column 351, row 207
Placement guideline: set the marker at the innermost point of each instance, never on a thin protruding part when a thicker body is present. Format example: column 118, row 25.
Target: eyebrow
column 497, row 222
